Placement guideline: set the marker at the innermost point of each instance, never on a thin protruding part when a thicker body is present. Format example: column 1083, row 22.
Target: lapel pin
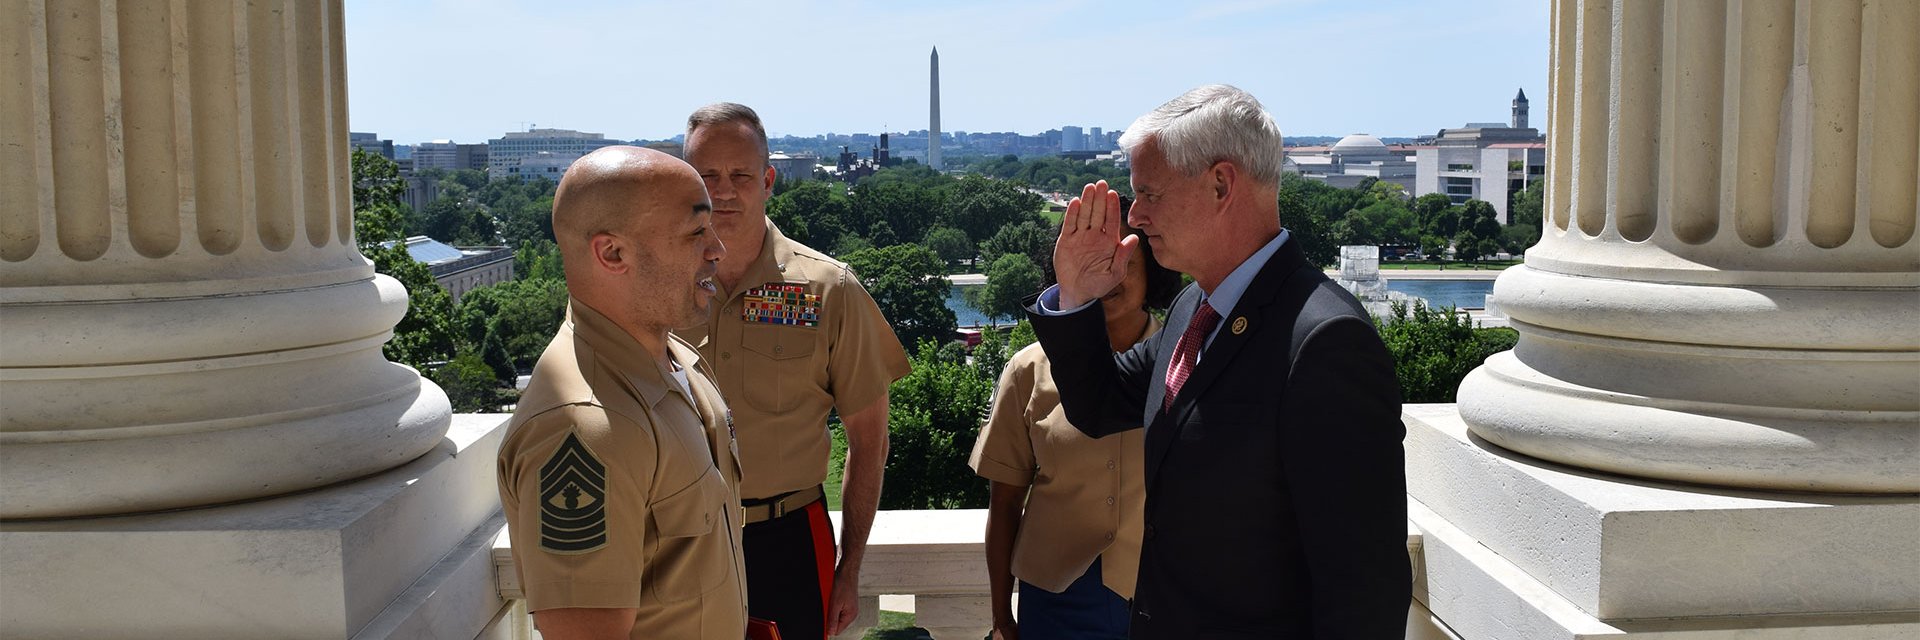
column 1239, row 325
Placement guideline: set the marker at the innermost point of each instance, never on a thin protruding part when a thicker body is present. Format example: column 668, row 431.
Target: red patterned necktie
column 1187, row 351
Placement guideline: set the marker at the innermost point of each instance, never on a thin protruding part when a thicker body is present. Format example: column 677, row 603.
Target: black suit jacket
column 1276, row 492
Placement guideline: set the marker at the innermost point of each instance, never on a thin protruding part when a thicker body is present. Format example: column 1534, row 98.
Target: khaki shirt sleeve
column 865, row 357
column 1003, row 452
column 574, row 548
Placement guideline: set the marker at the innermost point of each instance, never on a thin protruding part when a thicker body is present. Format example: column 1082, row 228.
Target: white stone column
column 187, row 320
column 1714, row 397
column 1727, row 290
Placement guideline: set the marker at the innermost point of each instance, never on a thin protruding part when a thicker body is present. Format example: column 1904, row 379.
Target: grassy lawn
column 897, row 626
column 1054, row 216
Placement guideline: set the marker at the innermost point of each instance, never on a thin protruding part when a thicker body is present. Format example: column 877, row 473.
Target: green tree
column 1382, row 222
column 522, row 315
column 493, row 351
column 378, row 214
column 951, row 244
column 424, row 337
column 469, row 383
column 1306, row 226
column 1028, row 238
column 539, row 260
column 1480, row 232
column 456, row 217
column 1009, row 279
column 909, row 284
column 907, row 208
column 1434, row 349
column 980, row 206
column 1428, row 209
column 1528, row 204
column 816, row 213
column 934, row 415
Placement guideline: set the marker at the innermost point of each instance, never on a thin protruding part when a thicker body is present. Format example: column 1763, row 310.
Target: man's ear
column 609, row 252
column 769, row 178
column 1223, row 178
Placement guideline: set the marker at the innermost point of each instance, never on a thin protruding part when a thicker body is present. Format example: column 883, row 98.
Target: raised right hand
column 1090, row 256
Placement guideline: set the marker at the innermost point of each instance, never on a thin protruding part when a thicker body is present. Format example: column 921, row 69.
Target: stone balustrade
column 937, row 557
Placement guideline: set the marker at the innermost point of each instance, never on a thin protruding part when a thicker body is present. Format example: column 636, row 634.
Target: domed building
column 1353, row 159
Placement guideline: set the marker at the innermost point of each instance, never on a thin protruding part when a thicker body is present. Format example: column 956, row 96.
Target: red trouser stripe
column 823, row 556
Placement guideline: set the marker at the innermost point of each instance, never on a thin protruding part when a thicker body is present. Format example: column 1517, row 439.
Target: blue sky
column 469, row 70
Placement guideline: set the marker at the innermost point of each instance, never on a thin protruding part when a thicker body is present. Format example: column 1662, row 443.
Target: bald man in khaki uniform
column 619, row 473
column 793, row 337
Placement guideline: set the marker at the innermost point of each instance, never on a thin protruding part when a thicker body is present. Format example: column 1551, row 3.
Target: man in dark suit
column 1276, row 495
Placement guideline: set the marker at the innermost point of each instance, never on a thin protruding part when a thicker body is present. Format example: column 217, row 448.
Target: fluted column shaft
column 187, row 318
column 1727, row 290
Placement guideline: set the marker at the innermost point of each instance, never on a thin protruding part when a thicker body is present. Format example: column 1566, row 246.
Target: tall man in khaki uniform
column 793, row 336
column 619, row 471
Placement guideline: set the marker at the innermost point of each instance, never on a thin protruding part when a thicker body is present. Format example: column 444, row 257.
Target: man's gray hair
column 725, row 112
column 1209, row 124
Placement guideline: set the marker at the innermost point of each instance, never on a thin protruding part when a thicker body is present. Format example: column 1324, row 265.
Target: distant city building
column 506, row 152
column 1488, row 161
column 1096, row 141
column 797, row 166
column 1352, row 160
column 371, row 143
column 420, row 192
column 542, row 164
column 461, row 269
column 673, row 148
column 1072, row 138
column 1520, row 109
column 449, row 156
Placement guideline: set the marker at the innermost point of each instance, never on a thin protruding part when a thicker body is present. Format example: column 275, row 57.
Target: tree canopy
column 908, row 282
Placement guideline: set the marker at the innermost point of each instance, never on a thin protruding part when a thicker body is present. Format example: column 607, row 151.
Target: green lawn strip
column 895, row 625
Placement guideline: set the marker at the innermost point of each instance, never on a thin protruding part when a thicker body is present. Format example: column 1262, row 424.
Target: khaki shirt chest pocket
column 693, row 553
column 779, row 369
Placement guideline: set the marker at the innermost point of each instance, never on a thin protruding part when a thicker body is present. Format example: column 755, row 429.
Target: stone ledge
column 1481, row 596
column 317, row 564
column 1626, row 548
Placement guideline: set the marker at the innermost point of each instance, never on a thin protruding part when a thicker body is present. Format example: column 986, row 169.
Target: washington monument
column 933, row 128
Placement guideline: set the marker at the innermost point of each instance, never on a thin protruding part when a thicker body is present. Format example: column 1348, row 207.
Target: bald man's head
column 604, row 190
column 636, row 238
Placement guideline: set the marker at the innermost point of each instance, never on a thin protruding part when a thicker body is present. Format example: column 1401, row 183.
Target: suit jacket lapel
column 1161, row 432
column 1165, row 427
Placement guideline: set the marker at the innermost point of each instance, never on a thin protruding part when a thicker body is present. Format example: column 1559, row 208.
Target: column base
column 1521, row 548
column 403, row 553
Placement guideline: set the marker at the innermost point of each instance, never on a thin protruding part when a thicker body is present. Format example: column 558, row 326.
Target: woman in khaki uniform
column 1065, row 513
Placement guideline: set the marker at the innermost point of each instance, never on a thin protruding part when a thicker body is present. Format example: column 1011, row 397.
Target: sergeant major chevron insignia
column 573, row 493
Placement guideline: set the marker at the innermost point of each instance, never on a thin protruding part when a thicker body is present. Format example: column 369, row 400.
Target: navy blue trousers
column 1086, row 610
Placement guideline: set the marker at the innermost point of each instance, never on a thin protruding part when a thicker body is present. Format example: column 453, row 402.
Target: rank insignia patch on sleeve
column 573, row 493
column 781, row 303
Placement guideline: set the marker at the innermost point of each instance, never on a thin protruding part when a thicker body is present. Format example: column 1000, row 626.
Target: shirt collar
column 771, row 265
column 627, row 358
column 1224, row 297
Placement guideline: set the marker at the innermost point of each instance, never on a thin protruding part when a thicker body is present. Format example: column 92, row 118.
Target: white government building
column 1710, row 428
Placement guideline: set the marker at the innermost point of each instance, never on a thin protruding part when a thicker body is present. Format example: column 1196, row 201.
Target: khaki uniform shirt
column 620, row 489
column 798, row 337
column 1086, row 496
